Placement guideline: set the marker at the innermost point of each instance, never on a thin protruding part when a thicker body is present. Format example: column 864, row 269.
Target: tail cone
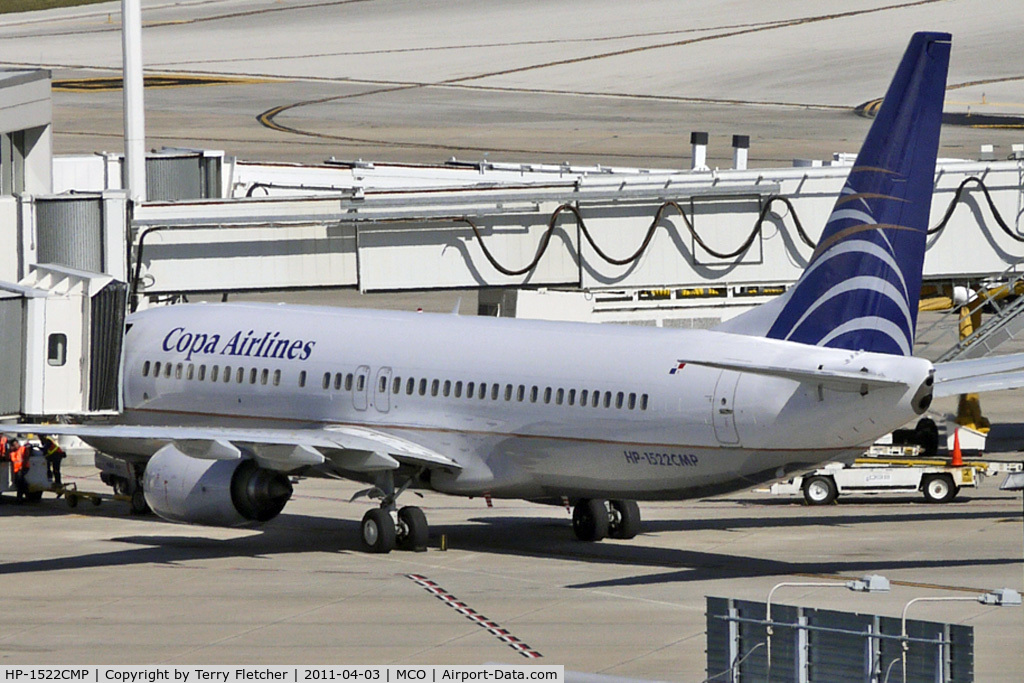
column 958, row 458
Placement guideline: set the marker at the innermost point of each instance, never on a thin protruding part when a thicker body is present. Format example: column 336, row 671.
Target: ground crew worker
column 54, row 454
column 19, row 466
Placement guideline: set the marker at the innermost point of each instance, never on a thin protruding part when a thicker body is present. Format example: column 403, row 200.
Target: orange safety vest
column 18, row 458
column 3, row 447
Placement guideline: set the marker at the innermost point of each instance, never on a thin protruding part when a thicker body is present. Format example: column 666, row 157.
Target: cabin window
column 227, row 374
column 447, row 389
column 643, row 402
column 533, row 394
column 177, row 371
column 277, row 378
column 434, row 386
column 240, row 376
column 156, row 369
column 458, row 389
column 383, row 385
column 348, row 382
column 520, row 393
column 607, row 399
column 213, row 373
column 618, row 399
column 508, row 392
column 361, row 383
column 547, row 394
column 572, row 397
column 559, row 396
column 264, row 376
column 327, row 380
column 632, row 401
column 595, row 398
column 202, row 372
column 482, row 391
column 494, row 392
column 470, row 389
column 396, row 385
column 252, row 376
column 145, row 369
column 423, row 387
column 583, row 397
column 190, row 371
column 337, row 381
column 57, row 349
column 410, row 385
column 302, row 378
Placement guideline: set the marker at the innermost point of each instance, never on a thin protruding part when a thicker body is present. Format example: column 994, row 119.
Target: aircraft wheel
column 71, row 499
column 412, row 531
column 939, row 488
column 625, row 521
column 590, row 520
column 820, row 490
column 138, row 503
column 378, row 531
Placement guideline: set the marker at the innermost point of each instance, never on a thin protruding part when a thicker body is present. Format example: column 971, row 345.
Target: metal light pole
column 1002, row 597
column 134, row 109
column 872, row 583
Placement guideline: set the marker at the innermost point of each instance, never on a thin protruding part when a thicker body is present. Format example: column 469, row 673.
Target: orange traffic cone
column 958, row 457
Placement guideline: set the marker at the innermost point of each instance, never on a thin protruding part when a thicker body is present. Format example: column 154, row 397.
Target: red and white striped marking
column 471, row 614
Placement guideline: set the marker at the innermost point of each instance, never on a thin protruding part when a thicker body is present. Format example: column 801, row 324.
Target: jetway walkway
column 461, row 225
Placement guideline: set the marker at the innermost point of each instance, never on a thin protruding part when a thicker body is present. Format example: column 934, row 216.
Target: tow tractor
column 892, row 469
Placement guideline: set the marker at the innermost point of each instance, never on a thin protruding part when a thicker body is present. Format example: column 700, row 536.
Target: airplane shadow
column 532, row 537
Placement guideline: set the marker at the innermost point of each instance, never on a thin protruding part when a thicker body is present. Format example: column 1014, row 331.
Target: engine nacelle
column 180, row 488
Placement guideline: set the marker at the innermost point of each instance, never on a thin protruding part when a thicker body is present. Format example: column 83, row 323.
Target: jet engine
column 236, row 492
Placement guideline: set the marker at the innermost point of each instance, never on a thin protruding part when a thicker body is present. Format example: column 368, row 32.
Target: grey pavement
column 596, row 82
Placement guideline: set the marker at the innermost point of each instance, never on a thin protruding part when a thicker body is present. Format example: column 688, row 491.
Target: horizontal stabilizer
column 838, row 380
column 980, row 374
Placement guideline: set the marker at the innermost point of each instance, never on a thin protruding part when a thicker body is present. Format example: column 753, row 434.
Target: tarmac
column 518, row 81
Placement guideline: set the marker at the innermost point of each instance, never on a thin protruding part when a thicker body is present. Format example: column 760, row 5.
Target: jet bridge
column 61, row 331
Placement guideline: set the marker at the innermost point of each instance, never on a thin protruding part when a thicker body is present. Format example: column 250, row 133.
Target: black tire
column 71, row 499
column 96, row 501
column 34, row 496
column 378, row 531
column 413, row 531
column 590, row 520
column 820, row 490
column 625, row 522
column 927, row 437
column 138, row 503
column 939, row 488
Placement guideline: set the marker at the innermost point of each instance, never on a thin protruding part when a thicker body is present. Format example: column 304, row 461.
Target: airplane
column 226, row 404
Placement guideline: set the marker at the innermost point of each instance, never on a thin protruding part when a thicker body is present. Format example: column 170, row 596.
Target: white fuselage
column 528, row 409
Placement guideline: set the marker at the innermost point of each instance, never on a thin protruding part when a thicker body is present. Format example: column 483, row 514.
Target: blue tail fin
column 860, row 290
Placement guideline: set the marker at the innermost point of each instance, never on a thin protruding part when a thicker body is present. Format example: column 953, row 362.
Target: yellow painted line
column 106, row 84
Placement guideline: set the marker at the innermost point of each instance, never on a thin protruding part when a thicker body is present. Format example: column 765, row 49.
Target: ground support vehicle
column 937, row 480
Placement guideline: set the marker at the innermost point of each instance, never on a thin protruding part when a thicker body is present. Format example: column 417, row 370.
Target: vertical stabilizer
column 861, row 287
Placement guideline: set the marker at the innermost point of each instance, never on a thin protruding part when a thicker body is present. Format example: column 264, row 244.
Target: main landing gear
column 594, row 519
column 387, row 527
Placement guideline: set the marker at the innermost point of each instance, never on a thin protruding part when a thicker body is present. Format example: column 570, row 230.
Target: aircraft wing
column 358, row 449
column 980, row 374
